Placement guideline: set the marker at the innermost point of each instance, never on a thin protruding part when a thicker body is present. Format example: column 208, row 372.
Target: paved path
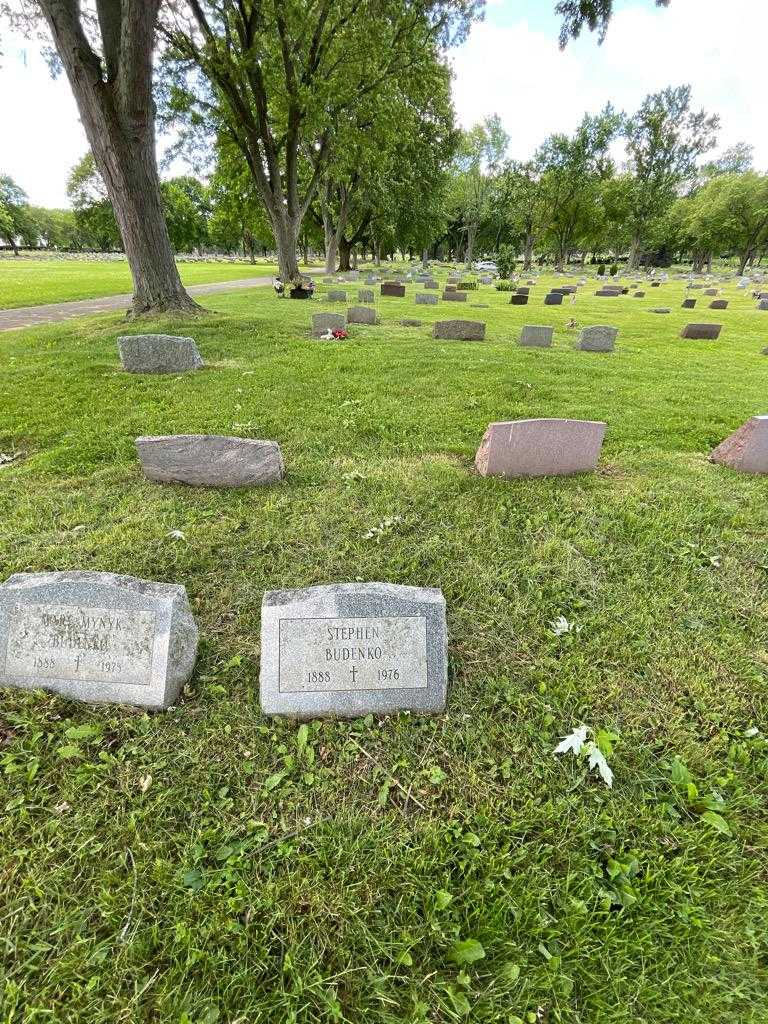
column 31, row 316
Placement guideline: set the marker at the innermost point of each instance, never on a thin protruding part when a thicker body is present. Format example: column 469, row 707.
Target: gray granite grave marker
column 158, row 353
column 324, row 322
column 361, row 315
column 95, row 636
column 351, row 649
column 210, row 460
column 597, row 339
column 535, row 336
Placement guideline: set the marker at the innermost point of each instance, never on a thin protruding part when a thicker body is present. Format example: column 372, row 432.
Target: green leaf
column 436, row 775
column 301, row 737
column 82, row 732
column 193, row 880
column 404, row 958
column 442, row 899
column 605, row 740
column 510, row 972
column 70, row 751
column 459, row 1000
column 680, row 774
column 274, row 781
column 717, row 821
column 466, row 952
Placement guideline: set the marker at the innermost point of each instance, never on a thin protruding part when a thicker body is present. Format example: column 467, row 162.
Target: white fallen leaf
column 574, row 741
column 145, row 781
column 560, row 625
column 177, row 535
column 597, row 760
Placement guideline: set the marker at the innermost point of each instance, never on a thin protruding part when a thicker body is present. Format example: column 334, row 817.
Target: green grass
column 26, row 282
column 276, row 874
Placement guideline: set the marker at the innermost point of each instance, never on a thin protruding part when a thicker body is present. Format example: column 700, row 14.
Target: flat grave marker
column 701, row 332
column 459, row 330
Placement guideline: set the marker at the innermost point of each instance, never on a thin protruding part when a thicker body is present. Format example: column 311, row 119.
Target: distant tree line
column 332, row 113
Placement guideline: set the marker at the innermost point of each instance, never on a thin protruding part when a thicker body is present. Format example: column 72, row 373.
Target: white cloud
column 519, row 72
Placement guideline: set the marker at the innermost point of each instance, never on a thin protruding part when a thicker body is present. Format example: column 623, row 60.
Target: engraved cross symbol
column 353, row 670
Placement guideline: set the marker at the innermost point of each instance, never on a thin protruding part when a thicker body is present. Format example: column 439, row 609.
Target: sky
column 510, row 65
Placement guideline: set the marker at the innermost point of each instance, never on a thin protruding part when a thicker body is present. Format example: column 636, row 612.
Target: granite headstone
column 352, row 649
column 96, row 636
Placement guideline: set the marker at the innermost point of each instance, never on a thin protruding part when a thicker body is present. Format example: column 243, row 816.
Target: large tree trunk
column 345, row 250
column 331, row 248
column 117, row 111
column 471, row 233
column 528, row 253
column 634, row 253
column 286, row 231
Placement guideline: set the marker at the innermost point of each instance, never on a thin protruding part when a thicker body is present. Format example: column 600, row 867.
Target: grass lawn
column 208, row 865
column 26, row 282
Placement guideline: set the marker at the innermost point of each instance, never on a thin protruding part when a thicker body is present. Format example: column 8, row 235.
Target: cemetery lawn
column 207, row 865
column 26, row 282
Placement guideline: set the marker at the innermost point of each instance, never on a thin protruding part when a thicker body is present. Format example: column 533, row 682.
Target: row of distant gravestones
column 343, row 649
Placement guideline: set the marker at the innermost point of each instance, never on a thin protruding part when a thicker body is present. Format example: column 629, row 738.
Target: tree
column 94, row 215
column 6, row 226
column 737, row 159
column 238, row 218
column 595, row 14
column 14, row 212
column 524, row 200
column 477, row 164
column 732, row 211
column 573, row 170
column 281, row 79
column 186, row 208
column 664, row 140
column 107, row 57
column 387, row 178
column 58, row 229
